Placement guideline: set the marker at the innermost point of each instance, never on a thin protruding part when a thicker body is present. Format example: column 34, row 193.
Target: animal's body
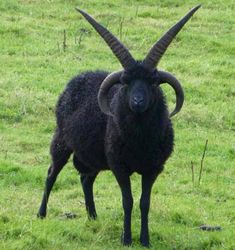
column 117, row 121
column 96, row 142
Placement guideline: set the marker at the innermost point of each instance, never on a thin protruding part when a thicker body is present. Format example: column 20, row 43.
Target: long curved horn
column 159, row 48
column 107, row 83
column 119, row 49
column 166, row 77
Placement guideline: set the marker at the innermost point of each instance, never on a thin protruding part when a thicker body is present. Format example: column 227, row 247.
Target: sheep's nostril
column 138, row 100
column 138, row 104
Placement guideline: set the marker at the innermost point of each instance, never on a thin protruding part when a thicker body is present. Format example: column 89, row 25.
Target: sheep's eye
column 155, row 84
column 123, row 82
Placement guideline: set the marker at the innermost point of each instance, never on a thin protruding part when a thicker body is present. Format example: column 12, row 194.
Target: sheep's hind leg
column 87, row 180
column 60, row 155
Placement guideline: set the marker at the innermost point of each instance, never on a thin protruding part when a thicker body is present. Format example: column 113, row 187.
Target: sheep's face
column 139, row 94
column 141, row 88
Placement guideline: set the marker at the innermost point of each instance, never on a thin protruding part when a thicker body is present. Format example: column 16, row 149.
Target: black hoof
column 145, row 243
column 92, row 216
column 40, row 215
column 126, row 240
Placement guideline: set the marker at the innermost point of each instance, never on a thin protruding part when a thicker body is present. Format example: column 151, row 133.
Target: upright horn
column 159, row 48
column 119, row 50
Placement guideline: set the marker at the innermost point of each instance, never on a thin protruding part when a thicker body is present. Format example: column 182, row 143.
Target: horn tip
column 197, row 7
column 80, row 11
column 77, row 9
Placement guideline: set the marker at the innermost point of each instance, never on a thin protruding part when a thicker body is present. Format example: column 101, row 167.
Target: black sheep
column 126, row 130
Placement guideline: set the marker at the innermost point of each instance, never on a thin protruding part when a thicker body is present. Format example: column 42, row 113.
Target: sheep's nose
column 138, row 104
column 138, row 100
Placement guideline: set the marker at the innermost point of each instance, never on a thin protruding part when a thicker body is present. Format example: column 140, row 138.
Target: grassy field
column 34, row 70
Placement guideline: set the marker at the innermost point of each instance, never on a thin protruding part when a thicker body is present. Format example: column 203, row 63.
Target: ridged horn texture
column 106, row 85
column 159, row 48
column 166, row 77
column 119, row 50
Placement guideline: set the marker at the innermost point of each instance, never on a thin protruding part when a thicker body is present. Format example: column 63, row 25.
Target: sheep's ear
column 160, row 47
column 119, row 49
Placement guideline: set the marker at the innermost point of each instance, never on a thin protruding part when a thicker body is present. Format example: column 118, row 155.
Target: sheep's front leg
column 147, row 183
column 123, row 180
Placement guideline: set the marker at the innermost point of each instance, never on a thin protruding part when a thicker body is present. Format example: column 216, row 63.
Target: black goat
column 127, row 130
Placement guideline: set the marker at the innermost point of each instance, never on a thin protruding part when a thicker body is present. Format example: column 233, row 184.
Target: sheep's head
column 140, row 77
column 140, row 88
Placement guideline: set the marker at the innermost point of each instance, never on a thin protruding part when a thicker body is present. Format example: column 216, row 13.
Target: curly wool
column 141, row 143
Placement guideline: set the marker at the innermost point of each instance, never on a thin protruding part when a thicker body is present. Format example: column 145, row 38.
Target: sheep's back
column 80, row 95
column 80, row 120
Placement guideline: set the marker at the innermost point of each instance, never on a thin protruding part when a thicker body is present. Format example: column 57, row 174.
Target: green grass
column 34, row 71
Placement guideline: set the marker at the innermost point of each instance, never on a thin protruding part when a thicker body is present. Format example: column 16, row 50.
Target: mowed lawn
column 36, row 62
